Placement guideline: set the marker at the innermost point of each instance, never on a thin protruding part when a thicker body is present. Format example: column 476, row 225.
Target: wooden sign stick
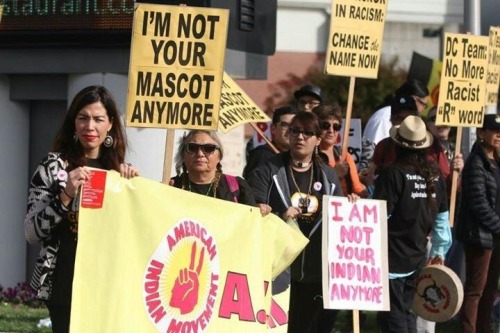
column 347, row 125
column 355, row 321
column 169, row 153
column 454, row 178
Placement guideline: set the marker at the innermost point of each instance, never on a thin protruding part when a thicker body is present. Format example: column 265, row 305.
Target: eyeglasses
column 421, row 102
column 207, row 149
column 311, row 102
column 295, row 132
column 326, row 126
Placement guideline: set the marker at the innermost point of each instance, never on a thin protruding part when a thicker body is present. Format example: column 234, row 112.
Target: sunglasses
column 326, row 126
column 192, row 148
column 295, row 132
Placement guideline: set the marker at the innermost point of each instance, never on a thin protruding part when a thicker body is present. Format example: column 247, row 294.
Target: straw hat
column 412, row 134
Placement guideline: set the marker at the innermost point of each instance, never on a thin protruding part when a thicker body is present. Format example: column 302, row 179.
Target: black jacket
column 270, row 185
column 478, row 222
column 256, row 157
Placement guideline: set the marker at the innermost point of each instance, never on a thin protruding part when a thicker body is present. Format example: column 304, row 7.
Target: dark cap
column 403, row 102
column 491, row 122
column 308, row 90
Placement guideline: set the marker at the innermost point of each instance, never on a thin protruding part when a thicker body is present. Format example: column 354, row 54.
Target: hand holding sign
column 186, row 286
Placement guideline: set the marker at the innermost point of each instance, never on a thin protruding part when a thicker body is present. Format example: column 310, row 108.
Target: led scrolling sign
column 66, row 15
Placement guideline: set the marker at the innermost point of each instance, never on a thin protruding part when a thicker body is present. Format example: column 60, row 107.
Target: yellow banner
column 158, row 259
column 355, row 39
column 236, row 108
column 462, row 91
column 176, row 65
column 493, row 75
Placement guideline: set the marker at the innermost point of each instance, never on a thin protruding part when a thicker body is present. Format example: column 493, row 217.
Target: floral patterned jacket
column 44, row 212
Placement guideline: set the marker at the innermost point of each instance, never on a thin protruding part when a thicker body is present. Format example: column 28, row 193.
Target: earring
column 316, row 150
column 108, row 141
column 75, row 138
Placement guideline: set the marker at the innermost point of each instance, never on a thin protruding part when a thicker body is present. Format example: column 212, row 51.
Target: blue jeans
column 400, row 319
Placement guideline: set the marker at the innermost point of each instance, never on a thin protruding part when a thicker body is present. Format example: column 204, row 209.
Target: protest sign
column 355, row 264
column 462, row 91
column 156, row 258
column 176, row 65
column 355, row 39
column 493, row 74
column 236, row 108
column 354, row 146
column 265, row 128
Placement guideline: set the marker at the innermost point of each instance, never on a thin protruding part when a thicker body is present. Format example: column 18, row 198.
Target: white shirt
column 378, row 126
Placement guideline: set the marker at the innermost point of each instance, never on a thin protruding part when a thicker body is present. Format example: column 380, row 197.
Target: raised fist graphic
column 186, row 286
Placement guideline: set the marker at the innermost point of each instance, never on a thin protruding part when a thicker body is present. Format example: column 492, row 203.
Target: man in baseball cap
column 308, row 97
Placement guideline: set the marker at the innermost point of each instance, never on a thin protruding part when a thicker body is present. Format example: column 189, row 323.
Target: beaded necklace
column 213, row 184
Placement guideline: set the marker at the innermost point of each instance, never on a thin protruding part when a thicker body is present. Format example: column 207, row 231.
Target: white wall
column 303, row 26
column 14, row 164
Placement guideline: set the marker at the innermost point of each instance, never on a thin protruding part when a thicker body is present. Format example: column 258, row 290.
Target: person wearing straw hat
column 417, row 205
column 478, row 227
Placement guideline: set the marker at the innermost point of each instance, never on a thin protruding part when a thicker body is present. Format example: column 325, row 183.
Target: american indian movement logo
column 181, row 280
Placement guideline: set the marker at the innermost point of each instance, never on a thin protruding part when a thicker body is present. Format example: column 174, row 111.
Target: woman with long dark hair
column 92, row 135
column 417, row 206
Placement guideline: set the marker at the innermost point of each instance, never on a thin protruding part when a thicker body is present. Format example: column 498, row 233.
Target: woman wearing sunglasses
column 199, row 170
column 293, row 184
column 330, row 117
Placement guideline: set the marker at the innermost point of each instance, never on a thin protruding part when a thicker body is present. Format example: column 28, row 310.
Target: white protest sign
column 355, row 133
column 355, row 263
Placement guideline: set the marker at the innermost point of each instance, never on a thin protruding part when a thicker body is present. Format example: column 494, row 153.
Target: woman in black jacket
column 478, row 227
column 293, row 184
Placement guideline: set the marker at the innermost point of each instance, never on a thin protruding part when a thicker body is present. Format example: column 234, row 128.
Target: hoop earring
column 108, row 141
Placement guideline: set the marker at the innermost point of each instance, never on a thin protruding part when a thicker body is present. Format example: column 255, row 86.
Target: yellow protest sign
column 355, row 39
column 1, row 12
column 493, row 74
column 462, row 92
column 236, row 108
column 355, row 264
column 176, row 65
column 159, row 259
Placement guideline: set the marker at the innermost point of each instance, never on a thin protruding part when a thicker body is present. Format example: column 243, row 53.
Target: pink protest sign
column 355, row 265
